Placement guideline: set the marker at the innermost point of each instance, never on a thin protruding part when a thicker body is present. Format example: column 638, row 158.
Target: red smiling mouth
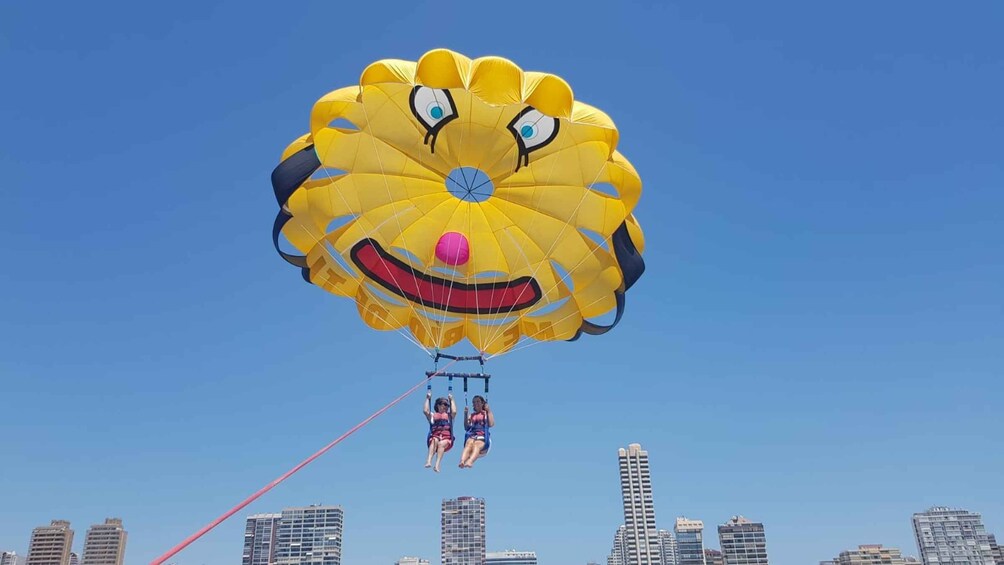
column 439, row 293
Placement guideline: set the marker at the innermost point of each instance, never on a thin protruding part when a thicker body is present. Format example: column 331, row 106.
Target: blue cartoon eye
column 433, row 107
column 533, row 129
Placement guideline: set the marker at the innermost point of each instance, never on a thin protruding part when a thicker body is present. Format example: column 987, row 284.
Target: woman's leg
column 475, row 452
column 468, row 449
column 432, row 449
column 440, row 450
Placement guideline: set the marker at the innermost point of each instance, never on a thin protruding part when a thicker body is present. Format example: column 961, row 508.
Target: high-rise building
column 950, row 536
column 105, row 543
column 310, row 535
column 412, row 561
column 743, row 542
column 667, row 547
column 510, row 557
column 74, row 559
column 640, row 535
column 713, row 557
column 10, row 558
column 689, row 541
column 618, row 554
column 260, row 534
column 995, row 550
column 50, row 545
column 873, row 554
column 463, row 531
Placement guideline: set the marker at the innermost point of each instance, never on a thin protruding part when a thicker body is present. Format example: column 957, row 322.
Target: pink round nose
column 453, row 249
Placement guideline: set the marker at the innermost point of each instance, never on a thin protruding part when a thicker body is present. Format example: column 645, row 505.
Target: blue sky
column 816, row 344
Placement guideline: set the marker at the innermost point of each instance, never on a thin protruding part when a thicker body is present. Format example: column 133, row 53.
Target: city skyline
column 934, row 526
column 313, row 535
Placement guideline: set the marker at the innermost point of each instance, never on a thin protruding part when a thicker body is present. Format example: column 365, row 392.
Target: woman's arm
column 427, row 405
column 491, row 416
column 453, row 407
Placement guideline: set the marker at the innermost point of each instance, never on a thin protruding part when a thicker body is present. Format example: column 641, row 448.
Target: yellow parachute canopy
column 454, row 198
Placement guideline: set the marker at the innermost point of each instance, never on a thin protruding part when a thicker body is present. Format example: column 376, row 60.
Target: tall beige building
column 50, row 545
column 873, row 554
column 641, row 537
column 105, row 543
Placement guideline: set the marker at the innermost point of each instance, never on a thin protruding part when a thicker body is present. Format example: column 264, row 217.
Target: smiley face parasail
column 459, row 199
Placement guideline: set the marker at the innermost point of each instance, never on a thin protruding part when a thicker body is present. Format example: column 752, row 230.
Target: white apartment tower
column 617, row 553
column 463, row 531
column 310, row 535
column 667, row 545
column 951, row 536
column 50, row 545
column 105, row 543
column 640, row 535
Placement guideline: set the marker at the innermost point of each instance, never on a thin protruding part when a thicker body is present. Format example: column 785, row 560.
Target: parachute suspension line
column 527, row 342
column 460, row 201
column 205, row 529
column 500, row 329
column 435, row 368
column 482, row 342
column 453, row 279
column 568, row 272
column 367, row 233
column 400, row 229
column 535, row 205
column 418, row 148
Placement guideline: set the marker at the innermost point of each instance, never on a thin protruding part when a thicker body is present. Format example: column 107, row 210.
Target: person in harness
column 477, row 440
column 440, row 438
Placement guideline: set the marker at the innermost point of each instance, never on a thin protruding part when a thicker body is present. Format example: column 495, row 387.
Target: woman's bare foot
column 428, row 464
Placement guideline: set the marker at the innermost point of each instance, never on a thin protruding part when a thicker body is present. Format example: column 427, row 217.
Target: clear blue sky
column 818, row 342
